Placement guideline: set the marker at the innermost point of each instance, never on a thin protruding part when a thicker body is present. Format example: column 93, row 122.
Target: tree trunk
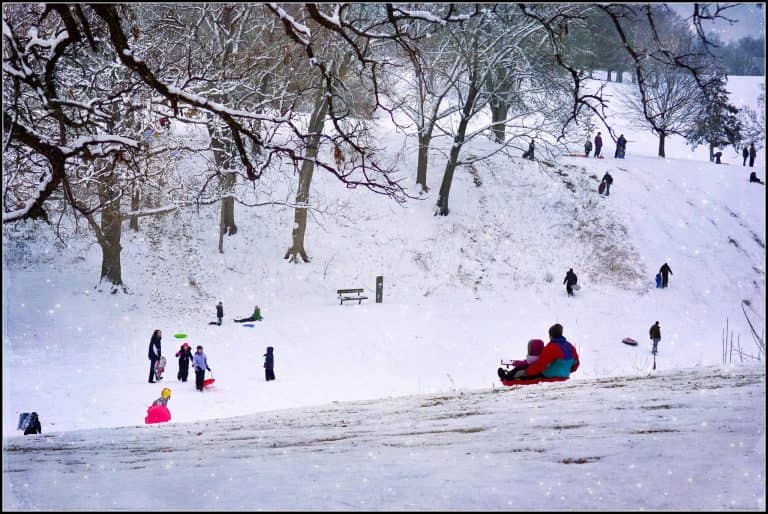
column 305, row 180
column 662, row 135
column 226, row 185
column 227, row 218
column 458, row 142
column 711, row 152
column 609, row 75
column 619, row 76
column 111, row 231
column 499, row 112
column 134, row 223
column 421, row 167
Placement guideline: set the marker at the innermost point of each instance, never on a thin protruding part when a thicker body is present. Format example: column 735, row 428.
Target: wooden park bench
column 346, row 294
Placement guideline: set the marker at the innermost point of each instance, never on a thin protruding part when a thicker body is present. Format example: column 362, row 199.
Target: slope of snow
column 675, row 440
column 460, row 292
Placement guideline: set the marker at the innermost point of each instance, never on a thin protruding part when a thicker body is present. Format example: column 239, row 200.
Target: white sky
column 750, row 19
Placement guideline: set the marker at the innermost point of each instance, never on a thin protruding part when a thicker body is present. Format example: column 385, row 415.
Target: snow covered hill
column 460, row 292
column 686, row 439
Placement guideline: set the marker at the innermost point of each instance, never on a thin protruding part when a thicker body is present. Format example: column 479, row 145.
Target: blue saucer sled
column 629, row 341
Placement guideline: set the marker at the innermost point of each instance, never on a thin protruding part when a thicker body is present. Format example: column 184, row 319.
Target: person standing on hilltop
column 598, row 145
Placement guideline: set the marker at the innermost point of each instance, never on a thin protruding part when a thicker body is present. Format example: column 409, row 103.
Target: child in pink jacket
column 535, row 347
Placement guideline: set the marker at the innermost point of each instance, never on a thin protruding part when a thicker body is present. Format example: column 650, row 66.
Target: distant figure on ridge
column 752, row 155
column 570, row 281
column 665, row 271
column 598, row 144
column 587, row 147
column 529, row 153
column 744, row 154
column 621, row 147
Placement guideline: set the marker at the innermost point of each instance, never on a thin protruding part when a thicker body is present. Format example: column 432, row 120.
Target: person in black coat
column 34, row 425
column 621, row 147
column 570, row 281
column 529, row 153
column 753, row 178
column 665, row 271
column 269, row 364
column 752, row 155
column 154, row 353
column 219, row 313
column 608, row 179
column 745, row 154
column 185, row 357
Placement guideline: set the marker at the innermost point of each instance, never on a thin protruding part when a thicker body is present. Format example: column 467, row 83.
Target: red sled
column 520, row 381
column 601, row 187
column 629, row 341
column 157, row 414
column 208, row 382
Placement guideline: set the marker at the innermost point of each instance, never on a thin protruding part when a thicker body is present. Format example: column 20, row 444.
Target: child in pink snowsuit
column 535, row 347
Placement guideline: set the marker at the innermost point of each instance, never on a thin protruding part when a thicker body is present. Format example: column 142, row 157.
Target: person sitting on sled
column 164, row 397
column 535, row 346
column 558, row 359
column 256, row 316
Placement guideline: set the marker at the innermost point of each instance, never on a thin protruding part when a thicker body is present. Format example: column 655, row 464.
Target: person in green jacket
column 256, row 316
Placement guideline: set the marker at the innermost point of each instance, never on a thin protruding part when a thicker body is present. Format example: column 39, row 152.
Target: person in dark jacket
column 608, row 179
column 269, row 364
column 655, row 336
column 598, row 144
column 185, row 357
column 219, row 314
column 744, row 154
column 154, row 353
column 558, row 359
column 665, row 271
column 621, row 147
column 256, row 316
column 529, row 153
column 753, row 178
column 752, row 155
column 570, row 281
column 34, row 425
column 587, row 147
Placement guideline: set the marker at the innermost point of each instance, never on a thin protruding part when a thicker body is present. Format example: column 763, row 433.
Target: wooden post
column 379, row 288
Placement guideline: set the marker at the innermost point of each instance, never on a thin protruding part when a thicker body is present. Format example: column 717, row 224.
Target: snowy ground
column 460, row 293
column 665, row 442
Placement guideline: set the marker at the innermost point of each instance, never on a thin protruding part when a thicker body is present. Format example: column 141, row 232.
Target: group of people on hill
column 621, row 146
column 198, row 359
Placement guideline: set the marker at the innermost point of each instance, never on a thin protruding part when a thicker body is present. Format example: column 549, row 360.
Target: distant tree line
column 743, row 57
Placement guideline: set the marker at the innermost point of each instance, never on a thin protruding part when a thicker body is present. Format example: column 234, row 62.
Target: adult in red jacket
column 559, row 358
